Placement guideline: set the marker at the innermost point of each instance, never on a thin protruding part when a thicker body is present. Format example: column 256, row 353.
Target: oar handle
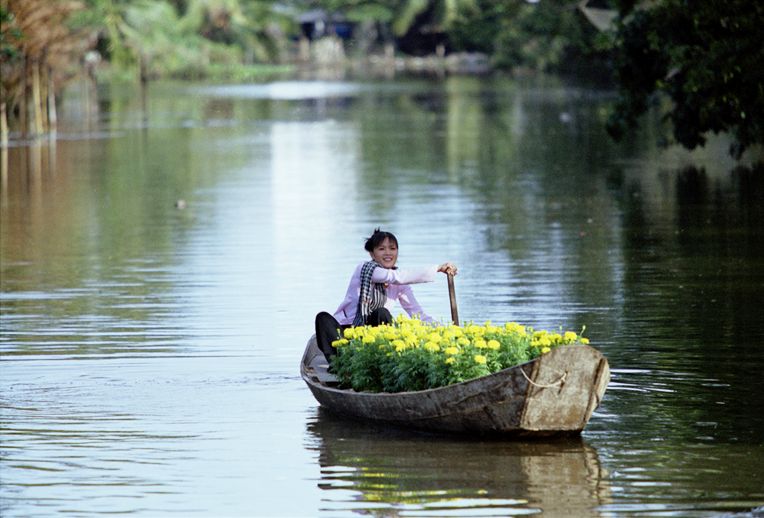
column 452, row 296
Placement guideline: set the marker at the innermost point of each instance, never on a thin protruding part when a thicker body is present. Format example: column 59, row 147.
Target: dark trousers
column 329, row 330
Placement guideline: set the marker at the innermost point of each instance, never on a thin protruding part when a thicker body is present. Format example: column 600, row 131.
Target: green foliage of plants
column 707, row 59
column 411, row 355
column 190, row 39
column 701, row 66
column 551, row 35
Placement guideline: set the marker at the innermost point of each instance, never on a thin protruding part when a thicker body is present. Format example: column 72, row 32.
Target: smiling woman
column 373, row 288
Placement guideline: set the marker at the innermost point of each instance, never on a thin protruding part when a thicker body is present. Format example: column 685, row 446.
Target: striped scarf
column 372, row 294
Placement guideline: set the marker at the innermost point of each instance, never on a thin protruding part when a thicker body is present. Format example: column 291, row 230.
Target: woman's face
column 385, row 254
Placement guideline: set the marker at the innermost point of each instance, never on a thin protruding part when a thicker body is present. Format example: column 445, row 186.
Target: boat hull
column 554, row 394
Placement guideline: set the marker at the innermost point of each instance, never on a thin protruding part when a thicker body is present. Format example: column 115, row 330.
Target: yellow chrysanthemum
column 493, row 344
column 480, row 343
column 479, row 358
column 451, row 350
column 450, row 359
column 570, row 336
column 431, row 347
column 584, row 340
column 463, row 341
column 339, row 343
column 514, row 327
column 545, row 350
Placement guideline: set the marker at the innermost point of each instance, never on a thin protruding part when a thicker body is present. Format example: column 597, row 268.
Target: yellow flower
column 514, row 327
column 432, row 347
column 450, row 359
column 479, row 358
column 399, row 343
column 493, row 344
column 545, row 350
column 570, row 336
column 480, row 343
column 369, row 339
column 584, row 340
column 463, row 341
column 451, row 350
column 474, row 330
column 340, row 342
column 349, row 333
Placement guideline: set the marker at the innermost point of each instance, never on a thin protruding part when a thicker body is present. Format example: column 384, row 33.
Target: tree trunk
column 24, row 102
column 52, row 113
column 43, row 73
column 3, row 125
column 37, row 99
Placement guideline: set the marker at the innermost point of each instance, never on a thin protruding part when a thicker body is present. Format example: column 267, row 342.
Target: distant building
column 317, row 23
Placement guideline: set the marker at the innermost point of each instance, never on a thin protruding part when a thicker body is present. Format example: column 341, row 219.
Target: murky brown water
column 150, row 354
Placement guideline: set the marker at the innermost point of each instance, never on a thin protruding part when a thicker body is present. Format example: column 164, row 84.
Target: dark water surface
column 150, row 354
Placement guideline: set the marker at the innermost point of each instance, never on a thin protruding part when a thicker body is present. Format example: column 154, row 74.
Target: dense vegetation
column 704, row 58
column 707, row 59
column 410, row 355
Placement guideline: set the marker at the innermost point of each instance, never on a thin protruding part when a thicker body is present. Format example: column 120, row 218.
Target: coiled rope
column 559, row 382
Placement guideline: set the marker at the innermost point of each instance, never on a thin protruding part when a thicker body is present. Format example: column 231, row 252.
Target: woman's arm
column 411, row 276
column 407, row 276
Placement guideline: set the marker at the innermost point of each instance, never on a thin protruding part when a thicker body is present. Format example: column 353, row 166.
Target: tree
column 705, row 57
column 417, row 21
column 38, row 51
column 548, row 35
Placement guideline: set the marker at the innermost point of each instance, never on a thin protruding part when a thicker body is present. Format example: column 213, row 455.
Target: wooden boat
column 555, row 394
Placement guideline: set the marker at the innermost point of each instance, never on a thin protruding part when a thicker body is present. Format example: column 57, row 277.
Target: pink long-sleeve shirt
column 397, row 289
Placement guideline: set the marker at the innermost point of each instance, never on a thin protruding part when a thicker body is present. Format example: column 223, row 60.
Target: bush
column 412, row 355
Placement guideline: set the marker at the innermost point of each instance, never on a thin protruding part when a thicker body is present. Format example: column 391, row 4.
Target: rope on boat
column 559, row 382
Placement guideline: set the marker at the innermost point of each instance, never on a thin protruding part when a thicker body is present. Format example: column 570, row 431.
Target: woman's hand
column 448, row 268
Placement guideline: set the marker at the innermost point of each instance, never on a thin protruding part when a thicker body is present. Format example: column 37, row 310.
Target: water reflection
column 386, row 472
column 201, row 314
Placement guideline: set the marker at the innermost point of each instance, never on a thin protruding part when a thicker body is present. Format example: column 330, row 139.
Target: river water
column 150, row 353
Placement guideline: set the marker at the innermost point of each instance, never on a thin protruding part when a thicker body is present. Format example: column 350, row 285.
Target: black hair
column 374, row 240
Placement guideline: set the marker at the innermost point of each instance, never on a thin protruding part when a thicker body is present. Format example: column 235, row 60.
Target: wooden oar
column 452, row 296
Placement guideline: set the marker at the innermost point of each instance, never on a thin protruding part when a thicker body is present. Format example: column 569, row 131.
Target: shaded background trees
column 707, row 61
column 37, row 50
column 701, row 65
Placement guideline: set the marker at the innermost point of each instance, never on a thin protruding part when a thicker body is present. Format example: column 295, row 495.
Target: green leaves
column 411, row 355
column 707, row 60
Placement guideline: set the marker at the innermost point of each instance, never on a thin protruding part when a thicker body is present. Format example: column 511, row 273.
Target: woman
column 373, row 288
